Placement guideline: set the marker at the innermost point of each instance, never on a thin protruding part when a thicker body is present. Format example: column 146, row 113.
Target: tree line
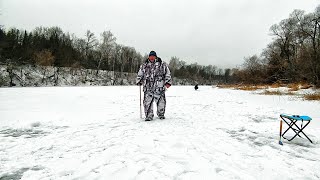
column 198, row 73
column 292, row 56
column 50, row 46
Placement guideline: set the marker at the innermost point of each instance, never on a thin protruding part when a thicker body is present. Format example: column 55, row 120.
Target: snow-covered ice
column 96, row 133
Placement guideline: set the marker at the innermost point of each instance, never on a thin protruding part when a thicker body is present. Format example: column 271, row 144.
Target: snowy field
column 96, row 133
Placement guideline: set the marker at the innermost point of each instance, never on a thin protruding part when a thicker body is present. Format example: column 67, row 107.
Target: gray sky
column 217, row 32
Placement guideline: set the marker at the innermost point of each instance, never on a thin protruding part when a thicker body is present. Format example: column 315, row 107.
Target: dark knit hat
column 153, row 53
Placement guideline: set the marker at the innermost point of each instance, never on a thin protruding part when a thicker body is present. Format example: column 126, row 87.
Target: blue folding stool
column 291, row 121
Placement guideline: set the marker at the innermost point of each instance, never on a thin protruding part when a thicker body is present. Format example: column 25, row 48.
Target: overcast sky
column 217, row 32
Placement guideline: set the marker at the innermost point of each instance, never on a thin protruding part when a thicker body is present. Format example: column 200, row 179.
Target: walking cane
column 140, row 103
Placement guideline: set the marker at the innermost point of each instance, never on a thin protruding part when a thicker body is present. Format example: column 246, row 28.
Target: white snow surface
column 97, row 133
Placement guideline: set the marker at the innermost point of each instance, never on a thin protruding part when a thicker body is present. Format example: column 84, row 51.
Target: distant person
column 154, row 75
column 196, row 87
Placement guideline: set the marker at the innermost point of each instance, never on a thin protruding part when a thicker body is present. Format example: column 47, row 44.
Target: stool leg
column 300, row 131
column 292, row 122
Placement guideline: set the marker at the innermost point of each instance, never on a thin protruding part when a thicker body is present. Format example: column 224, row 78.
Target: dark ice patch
column 27, row 133
column 19, row 173
column 14, row 175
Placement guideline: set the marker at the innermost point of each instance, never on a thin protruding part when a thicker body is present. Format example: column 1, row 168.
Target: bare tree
column 312, row 30
column 44, row 59
column 173, row 64
column 106, row 48
column 285, row 33
column 117, row 57
column 90, row 44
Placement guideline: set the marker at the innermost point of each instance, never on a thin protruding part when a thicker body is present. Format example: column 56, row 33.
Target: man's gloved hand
column 167, row 85
column 139, row 83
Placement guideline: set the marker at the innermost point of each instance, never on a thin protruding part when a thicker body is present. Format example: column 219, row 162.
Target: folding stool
column 291, row 121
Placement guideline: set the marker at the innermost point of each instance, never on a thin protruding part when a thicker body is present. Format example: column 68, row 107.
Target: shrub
column 312, row 96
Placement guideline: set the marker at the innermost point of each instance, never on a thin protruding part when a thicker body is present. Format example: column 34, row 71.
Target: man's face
column 152, row 58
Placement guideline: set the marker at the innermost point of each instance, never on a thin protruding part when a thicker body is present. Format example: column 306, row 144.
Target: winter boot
column 148, row 119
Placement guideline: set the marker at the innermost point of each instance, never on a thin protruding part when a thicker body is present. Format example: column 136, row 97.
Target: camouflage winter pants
column 159, row 99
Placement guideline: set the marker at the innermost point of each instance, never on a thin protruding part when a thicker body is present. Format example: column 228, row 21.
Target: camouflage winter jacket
column 154, row 76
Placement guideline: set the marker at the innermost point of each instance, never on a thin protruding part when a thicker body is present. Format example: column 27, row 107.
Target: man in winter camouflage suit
column 154, row 75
